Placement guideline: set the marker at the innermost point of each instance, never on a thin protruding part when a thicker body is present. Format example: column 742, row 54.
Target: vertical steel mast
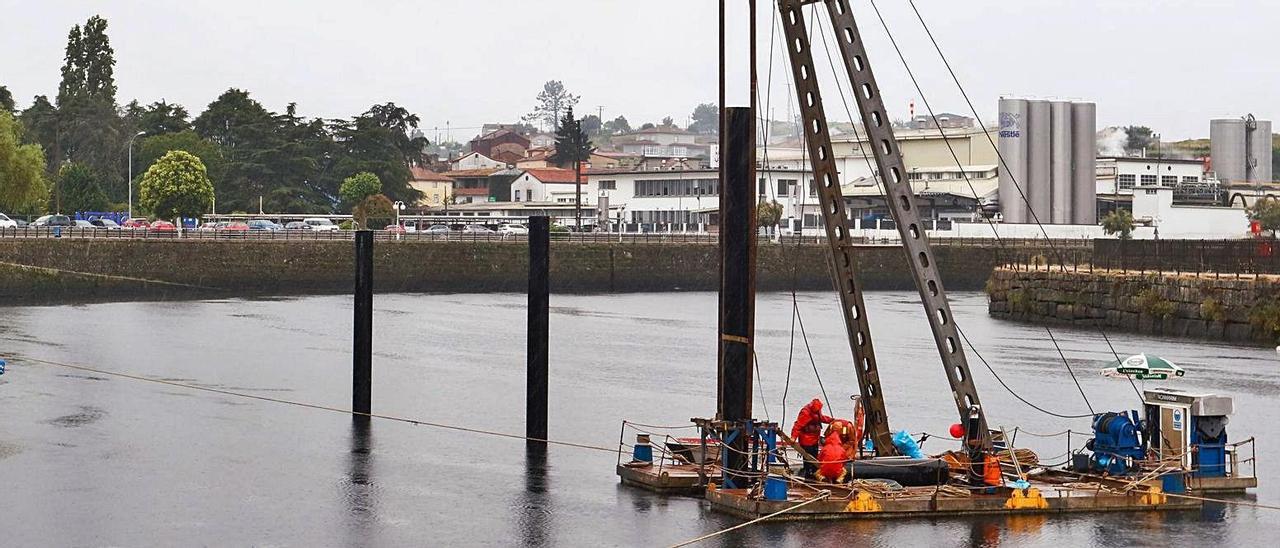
column 827, row 181
column 901, row 202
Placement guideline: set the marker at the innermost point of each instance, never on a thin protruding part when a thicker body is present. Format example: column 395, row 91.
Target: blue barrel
column 1175, row 482
column 642, row 451
column 775, row 488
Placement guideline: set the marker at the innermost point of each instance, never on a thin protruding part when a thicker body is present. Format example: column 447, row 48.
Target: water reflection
column 534, row 506
column 359, row 486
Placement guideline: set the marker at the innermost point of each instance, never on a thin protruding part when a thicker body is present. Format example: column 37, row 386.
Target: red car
column 162, row 226
column 136, row 223
column 395, row 229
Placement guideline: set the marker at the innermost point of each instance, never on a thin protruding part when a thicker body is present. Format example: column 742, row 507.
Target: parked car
column 476, row 229
column 438, row 229
column 81, row 223
column 162, row 226
column 6, row 222
column 297, row 225
column 137, row 223
column 22, row 223
column 53, row 220
column 106, row 223
column 513, row 228
column 263, row 224
column 395, row 229
column 320, row 224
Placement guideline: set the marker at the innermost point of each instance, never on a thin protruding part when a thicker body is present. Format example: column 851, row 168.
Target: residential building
column 542, row 140
column 436, row 188
column 682, row 196
column 553, row 185
column 471, row 185
column 475, row 160
column 662, row 142
column 503, row 145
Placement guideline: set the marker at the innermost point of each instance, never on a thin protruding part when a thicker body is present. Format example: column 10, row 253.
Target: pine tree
column 572, row 148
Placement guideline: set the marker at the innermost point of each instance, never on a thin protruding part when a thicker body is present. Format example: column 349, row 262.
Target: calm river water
column 92, row 460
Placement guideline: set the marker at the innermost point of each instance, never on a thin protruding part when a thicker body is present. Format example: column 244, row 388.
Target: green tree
column 177, row 185
column 22, row 170
column 374, row 212
column 161, row 117
column 360, row 186
column 377, row 144
column 80, row 189
column 617, row 125
column 1139, row 138
column 86, row 126
column 1119, row 222
column 647, row 125
column 151, row 147
column 6, row 100
column 591, row 125
column 282, row 158
column 1266, row 213
column 668, row 122
column 768, row 213
column 706, row 119
column 551, row 102
column 88, row 71
column 572, row 148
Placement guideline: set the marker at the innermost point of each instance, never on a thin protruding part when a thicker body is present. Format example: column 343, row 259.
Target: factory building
column 1048, row 149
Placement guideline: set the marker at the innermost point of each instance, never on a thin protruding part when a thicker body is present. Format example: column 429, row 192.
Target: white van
column 320, row 224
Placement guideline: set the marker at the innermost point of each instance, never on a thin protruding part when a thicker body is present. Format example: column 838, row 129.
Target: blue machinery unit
column 1117, row 445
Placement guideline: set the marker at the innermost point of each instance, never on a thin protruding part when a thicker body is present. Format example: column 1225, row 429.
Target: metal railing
column 1249, row 256
column 496, row 237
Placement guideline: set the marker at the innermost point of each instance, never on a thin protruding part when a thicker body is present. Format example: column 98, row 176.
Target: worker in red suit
column 807, row 431
column 831, row 459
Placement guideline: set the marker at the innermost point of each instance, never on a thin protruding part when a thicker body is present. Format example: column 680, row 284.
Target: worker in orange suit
column 831, row 459
column 807, row 431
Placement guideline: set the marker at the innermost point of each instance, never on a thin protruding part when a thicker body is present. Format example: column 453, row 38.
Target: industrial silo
column 1262, row 151
column 1013, row 150
column 1226, row 145
column 1060, row 150
column 1084, row 187
column 1037, row 185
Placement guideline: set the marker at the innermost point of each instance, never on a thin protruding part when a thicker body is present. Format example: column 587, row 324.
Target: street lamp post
column 130, row 181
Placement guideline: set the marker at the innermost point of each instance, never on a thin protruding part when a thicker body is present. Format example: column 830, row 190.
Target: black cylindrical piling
column 539, row 302
column 737, row 279
column 362, row 354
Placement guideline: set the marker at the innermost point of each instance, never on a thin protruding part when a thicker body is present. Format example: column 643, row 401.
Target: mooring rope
column 820, row 496
column 480, row 431
column 415, row 422
column 51, row 270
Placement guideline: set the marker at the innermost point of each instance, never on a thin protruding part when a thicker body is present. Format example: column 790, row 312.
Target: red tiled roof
column 419, row 173
column 483, row 172
column 551, row 175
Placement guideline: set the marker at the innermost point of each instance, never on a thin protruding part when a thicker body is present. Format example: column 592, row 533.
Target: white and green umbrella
column 1143, row 367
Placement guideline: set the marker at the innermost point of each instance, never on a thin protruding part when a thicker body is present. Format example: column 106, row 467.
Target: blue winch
column 1117, row 444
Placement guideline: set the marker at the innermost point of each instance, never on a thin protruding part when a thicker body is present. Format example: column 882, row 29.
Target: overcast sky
column 1170, row 64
